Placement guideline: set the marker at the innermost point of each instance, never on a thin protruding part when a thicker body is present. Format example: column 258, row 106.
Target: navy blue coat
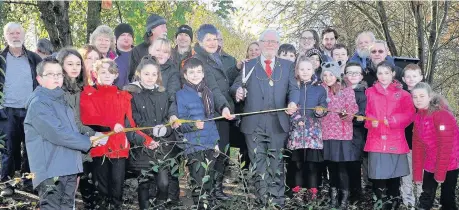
column 191, row 107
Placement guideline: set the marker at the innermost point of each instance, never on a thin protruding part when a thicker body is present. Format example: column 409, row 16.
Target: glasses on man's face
column 58, row 75
column 270, row 41
column 353, row 74
column 377, row 51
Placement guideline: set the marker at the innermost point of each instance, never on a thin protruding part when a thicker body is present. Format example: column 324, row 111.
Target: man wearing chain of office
column 265, row 83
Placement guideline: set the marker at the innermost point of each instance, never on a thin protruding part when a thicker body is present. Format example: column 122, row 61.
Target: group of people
column 314, row 111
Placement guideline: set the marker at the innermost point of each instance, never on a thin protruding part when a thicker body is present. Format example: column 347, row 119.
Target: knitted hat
column 123, row 28
column 315, row 51
column 332, row 67
column 206, row 29
column 185, row 29
column 154, row 21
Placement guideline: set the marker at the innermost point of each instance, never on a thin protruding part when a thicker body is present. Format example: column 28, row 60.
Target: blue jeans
column 14, row 131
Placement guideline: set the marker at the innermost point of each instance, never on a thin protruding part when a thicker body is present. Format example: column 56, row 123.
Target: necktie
column 268, row 69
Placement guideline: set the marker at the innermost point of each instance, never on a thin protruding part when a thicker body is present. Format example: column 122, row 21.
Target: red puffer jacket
column 435, row 144
column 395, row 105
column 107, row 106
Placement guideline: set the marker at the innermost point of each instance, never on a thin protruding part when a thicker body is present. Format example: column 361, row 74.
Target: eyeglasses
column 353, row 73
column 270, row 41
column 377, row 51
column 58, row 75
column 307, row 38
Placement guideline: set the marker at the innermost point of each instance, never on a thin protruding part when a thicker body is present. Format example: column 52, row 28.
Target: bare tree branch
column 369, row 16
column 119, row 11
column 21, row 2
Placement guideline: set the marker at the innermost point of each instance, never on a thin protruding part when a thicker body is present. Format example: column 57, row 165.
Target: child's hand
column 319, row 110
column 374, row 123
column 102, row 140
column 173, row 120
column 118, row 128
column 227, row 114
column 360, row 118
column 199, row 125
column 94, row 143
column 153, row 145
column 159, row 131
column 342, row 115
column 301, row 123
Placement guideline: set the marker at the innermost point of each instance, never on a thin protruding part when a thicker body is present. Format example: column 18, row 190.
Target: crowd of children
column 339, row 122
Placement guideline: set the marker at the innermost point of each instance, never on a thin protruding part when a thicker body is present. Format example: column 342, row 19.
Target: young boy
column 354, row 74
column 340, row 55
column 53, row 142
column 195, row 102
column 287, row 52
column 412, row 75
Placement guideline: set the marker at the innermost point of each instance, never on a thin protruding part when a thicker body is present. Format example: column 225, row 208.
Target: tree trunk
column 61, row 10
column 416, row 7
column 384, row 23
column 93, row 18
column 434, row 38
column 49, row 20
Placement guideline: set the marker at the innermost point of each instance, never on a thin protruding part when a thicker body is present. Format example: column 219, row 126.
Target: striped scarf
column 206, row 96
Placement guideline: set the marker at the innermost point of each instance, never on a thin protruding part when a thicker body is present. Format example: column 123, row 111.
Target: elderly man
column 154, row 29
column 19, row 81
column 267, row 83
column 378, row 54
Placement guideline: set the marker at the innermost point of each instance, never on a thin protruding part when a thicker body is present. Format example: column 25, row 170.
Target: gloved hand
column 159, row 131
column 103, row 140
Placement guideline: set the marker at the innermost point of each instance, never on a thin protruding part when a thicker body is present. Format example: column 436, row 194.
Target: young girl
column 317, row 60
column 305, row 139
column 90, row 55
column 161, row 50
column 337, row 131
column 354, row 75
column 73, row 66
column 390, row 110
column 435, row 148
column 150, row 107
column 104, row 105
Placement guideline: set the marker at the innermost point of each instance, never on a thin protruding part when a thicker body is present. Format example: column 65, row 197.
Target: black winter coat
column 171, row 81
column 149, row 108
column 369, row 74
column 218, row 79
column 137, row 53
column 359, row 135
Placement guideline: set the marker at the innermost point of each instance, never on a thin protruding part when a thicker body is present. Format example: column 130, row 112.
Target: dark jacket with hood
column 369, row 74
column 137, row 53
column 150, row 107
column 218, row 78
column 178, row 58
column 171, row 81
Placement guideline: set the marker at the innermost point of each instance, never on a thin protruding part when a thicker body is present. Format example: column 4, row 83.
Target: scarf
column 216, row 57
column 206, row 96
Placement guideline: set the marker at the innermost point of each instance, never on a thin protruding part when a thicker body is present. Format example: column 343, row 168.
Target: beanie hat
column 185, row 29
column 123, row 28
column 154, row 21
column 206, row 29
column 332, row 67
column 315, row 51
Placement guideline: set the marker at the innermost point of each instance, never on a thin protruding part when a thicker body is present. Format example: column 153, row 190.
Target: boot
column 218, row 189
column 344, row 199
column 333, row 197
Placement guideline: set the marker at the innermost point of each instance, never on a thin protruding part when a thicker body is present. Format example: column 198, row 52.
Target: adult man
column 18, row 82
column 44, row 48
column 155, row 28
column 183, row 39
column 269, row 86
column 124, row 35
column 340, row 55
column 329, row 37
column 378, row 54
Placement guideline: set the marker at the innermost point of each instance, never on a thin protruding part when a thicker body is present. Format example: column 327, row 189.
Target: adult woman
column 103, row 39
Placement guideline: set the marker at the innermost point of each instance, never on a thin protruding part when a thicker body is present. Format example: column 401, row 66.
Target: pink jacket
column 395, row 105
column 333, row 127
column 435, row 144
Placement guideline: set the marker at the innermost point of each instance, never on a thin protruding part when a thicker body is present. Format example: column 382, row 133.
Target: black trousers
column 354, row 171
column 57, row 193
column 160, row 181
column 306, row 174
column 14, row 131
column 87, row 187
column 448, row 192
column 200, row 176
column 339, row 177
column 223, row 128
column 174, row 185
column 108, row 177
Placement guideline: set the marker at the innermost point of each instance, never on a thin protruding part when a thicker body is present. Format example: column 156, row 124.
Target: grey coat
column 286, row 90
column 53, row 142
